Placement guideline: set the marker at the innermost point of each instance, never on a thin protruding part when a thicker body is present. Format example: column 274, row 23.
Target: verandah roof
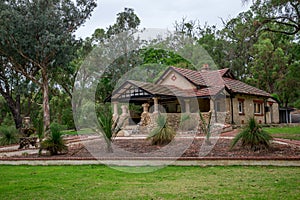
column 136, row 90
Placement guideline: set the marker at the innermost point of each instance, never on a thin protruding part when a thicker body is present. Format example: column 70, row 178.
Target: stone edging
column 158, row 161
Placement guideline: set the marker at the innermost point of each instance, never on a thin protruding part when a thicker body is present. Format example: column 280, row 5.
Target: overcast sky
column 163, row 13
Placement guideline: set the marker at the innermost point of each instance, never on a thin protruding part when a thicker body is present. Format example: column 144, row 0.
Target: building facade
column 178, row 91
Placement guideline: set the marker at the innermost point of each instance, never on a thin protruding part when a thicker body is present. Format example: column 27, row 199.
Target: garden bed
column 182, row 148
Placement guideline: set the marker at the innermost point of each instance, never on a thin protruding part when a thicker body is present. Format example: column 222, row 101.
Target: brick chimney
column 205, row 67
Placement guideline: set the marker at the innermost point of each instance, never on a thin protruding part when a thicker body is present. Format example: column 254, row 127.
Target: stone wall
column 222, row 117
column 249, row 110
column 177, row 122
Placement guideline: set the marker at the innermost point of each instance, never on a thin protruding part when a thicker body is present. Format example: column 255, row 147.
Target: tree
column 288, row 86
column 126, row 21
column 9, row 89
column 284, row 14
column 126, row 25
column 240, row 36
column 269, row 62
column 37, row 38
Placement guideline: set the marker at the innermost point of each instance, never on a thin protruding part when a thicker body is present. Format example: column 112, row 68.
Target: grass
column 80, row 132
column 101, row 182
column 285, row 132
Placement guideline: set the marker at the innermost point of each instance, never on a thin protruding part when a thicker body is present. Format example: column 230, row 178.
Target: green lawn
column 285, row 132
column 80, row 132
column 101, row 182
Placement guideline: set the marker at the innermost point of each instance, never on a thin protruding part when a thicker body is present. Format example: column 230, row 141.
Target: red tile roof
column 209, row 83
column 218, row 79
column 237, row 86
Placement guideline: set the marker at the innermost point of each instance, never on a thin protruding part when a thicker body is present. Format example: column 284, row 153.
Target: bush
column 162, row 134
column 106, row 121
column 8, row 135
column 253, row 135
column 54, row 143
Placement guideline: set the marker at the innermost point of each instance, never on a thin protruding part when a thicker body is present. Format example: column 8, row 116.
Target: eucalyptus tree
column 37, row 37
column 284, row 14
column 10, row 82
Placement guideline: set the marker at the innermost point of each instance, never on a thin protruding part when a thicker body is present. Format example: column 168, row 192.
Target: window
column 258, row 107
column 241, row 106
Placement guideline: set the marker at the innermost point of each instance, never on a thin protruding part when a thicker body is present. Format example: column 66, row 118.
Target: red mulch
column 192, row 148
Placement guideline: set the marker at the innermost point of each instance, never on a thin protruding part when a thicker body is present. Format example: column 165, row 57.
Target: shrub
column 109, row 127
column 8, row 135
column 106, row 121
column 162, row 134
column 205, row 127
column 54, row 143
column 253, row 135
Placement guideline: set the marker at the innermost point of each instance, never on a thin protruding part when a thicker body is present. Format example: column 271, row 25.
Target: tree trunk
column 17, row 113
column 46, row 108
column 14, row 106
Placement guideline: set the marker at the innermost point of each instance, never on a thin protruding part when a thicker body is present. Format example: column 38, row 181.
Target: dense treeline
column 40, row 56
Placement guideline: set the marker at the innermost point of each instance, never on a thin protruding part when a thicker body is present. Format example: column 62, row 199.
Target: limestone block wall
column 249, row 110
column 275, row 110
column 175, row 121
column 222, row 117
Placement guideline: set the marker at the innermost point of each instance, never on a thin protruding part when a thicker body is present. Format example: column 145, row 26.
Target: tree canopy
column 40, row 55
column 37, row 38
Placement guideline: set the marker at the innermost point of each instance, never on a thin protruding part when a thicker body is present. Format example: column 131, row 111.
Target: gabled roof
column 209, row 83
column 142, row 89
column 237, row 86
column 218, row 78
column 137, row 89
column 191, row 75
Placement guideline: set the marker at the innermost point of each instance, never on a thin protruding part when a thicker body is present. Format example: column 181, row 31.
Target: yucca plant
column 109, row 127
column 106, row 123
column 54, row 143
column 8, row 135
column 253, row 135
column 162, row 134
column 205, row 127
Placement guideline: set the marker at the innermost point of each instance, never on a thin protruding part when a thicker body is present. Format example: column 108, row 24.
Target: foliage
column 126, row 20
column 163, row 57
column 162, row 134
column 205, row 127
column 8, row 135
column 61, row 109
column 106, row 121
column 253, row 135
column 11, row 89
column 54, row 143
column 278, row 16
column 48, row 45
column 109, row 127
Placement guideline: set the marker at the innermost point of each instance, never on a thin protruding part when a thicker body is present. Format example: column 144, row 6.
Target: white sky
column 163, row 13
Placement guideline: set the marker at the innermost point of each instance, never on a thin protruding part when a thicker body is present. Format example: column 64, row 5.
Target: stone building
column 182, row 91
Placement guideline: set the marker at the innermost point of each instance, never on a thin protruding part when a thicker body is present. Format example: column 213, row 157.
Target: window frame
column 241, row 106
column 258, row 107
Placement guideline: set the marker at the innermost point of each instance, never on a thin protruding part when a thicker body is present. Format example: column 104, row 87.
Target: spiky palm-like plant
column 8, row 135
column 55, row 142
column 253, row 135
column 205, row 127
column 109, row 127
column 162, row 134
